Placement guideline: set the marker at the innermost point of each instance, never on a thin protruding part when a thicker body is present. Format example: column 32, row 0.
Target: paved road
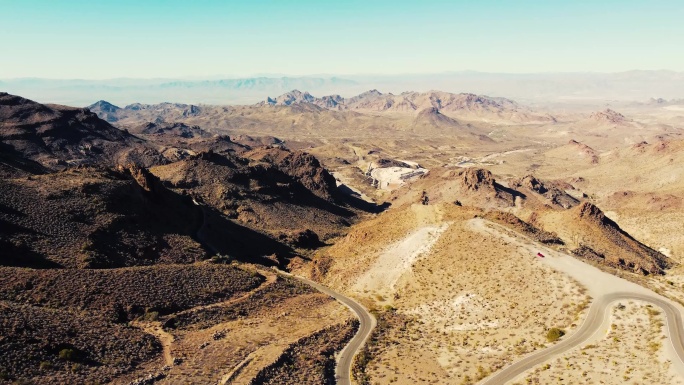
column 595, row 318
column 366, row 320
column 604, row 287
column 366, row 324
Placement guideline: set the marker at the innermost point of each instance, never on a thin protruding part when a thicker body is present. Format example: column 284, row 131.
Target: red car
column 540, row 255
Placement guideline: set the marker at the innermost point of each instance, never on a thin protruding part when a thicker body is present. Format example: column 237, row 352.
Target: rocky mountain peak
column 103, row 106
column 608, row 116
column 290, row 98
column 477, row 178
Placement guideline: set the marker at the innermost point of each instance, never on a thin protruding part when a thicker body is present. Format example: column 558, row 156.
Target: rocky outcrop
column 431, row 116
column 608, row 116
column 589, row 211
column 302, row 166
column 601, row 239
column 475, row 179
column 290, row 98
column 145, row 179
column 585, row 151
column 518, row 224
column 554, row 194
column 105, row 110
column 174, row 129
column 305, row 239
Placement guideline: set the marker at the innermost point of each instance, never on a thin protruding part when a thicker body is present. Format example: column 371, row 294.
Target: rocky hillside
column 285, row 194
column 551, row 193
column 105, row 110
column 96, row 251
column 55, row 136
column 470, row 187
column 181, row 130
column 171, row 111
column 301, row 166
column 602, row 240
column 573, row 151
column 94, row 218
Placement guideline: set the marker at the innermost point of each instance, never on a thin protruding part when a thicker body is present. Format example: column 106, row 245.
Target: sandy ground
column 630, row 350
column 600, row 283
column 399, row 259
column 595, row 280
column 452, row 322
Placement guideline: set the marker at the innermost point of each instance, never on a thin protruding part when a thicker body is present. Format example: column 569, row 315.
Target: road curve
column 366, row 324
column 366, row 320
column 592, row 323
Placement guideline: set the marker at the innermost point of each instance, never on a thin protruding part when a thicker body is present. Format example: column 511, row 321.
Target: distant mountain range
column 540, row 88
column 153, row 91
column 436, row 113
column 406, row 101
column 432, row 103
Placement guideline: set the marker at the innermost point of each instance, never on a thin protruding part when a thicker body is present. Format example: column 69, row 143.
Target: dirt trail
column 243, row 372
column 166, row 339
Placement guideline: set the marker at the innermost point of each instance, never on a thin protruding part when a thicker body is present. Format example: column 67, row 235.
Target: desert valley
column 306, row 192
column 452, row 238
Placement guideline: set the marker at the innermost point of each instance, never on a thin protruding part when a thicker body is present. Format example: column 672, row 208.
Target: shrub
column 45, row 365
column 554, row 334
column 151, row 316
column 67, row 354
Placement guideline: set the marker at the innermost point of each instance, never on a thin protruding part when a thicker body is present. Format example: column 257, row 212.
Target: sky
column 211, row 38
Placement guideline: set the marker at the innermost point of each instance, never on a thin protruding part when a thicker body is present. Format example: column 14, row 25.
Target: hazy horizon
column 334, row 75
column 541, row 88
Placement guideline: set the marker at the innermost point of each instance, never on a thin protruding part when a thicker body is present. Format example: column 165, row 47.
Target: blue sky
column 152, row 38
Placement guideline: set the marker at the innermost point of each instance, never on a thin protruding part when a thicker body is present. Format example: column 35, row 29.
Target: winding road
column 595, row 318
column 366, row 324
column 366, row 320
column 605, row 288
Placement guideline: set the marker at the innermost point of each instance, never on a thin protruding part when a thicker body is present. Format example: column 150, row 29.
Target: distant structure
column 389, row 178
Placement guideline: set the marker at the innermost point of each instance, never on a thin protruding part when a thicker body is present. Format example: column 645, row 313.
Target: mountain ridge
column 468, row 104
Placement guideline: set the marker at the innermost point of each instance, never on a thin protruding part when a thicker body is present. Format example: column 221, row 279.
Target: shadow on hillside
column 226, row 237
column 13, row 159
column 354, row 200
column 21, row 256
column 514, row 193
column 369, row 207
